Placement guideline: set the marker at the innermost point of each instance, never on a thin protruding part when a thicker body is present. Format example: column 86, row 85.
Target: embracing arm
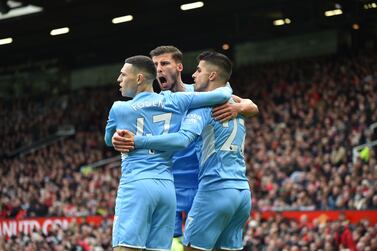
column 110, row 127
column 246, row 107
column 215, row 97
column 228, row 111
column 191, row 127
column 166, row 142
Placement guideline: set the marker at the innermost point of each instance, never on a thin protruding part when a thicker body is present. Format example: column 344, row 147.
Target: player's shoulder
column 198, row 115
column 165, row 93
column 202, row 111
column 119, row 105
column 178, row 95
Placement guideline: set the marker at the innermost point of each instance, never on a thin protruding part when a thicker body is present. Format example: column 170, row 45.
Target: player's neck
column 214, row 85
column 144, row 88
column 179, row 87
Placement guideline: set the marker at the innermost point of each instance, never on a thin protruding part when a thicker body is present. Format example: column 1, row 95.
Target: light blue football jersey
column 154, row 114
column 221, row 154
column 221, row 157
column 185, row 162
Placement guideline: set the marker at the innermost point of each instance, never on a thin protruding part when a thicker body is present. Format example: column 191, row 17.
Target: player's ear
column 212, row 76
column 140, row 78
column 180, row 67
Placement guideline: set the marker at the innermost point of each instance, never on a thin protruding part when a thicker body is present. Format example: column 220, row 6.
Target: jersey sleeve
column 215, row 97
column 191, row 100
column 192, row 126
column 166, row 142
column 110, row 126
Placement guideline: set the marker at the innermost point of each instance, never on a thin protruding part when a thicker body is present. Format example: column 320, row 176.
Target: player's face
column 201, row 76
column 127, row 81
column 168, row 70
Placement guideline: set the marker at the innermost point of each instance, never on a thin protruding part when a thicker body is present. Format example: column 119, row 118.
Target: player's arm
column 191, row 128
column 110, row 126
column 215, row 97
column 228, row 111
column 166, row 142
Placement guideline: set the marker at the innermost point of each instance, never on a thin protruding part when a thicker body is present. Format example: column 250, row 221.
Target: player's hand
column 225, row 112
column 236, row 99
column 123, row 141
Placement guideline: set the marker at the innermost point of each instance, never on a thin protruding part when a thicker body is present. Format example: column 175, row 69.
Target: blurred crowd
column 53, row 181
column 38, row 185
column 298, row 151
column 27, row 120
column 77, row 237
column 279, row 233
column 299, row 148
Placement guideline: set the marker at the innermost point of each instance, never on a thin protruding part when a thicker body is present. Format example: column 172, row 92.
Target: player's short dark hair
column 219, row 60
column 144, row 64
column 164, row 49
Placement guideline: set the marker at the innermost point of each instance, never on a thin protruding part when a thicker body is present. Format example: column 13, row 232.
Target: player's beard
column 171, row 79
column 202, row 87
column 174, row 82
